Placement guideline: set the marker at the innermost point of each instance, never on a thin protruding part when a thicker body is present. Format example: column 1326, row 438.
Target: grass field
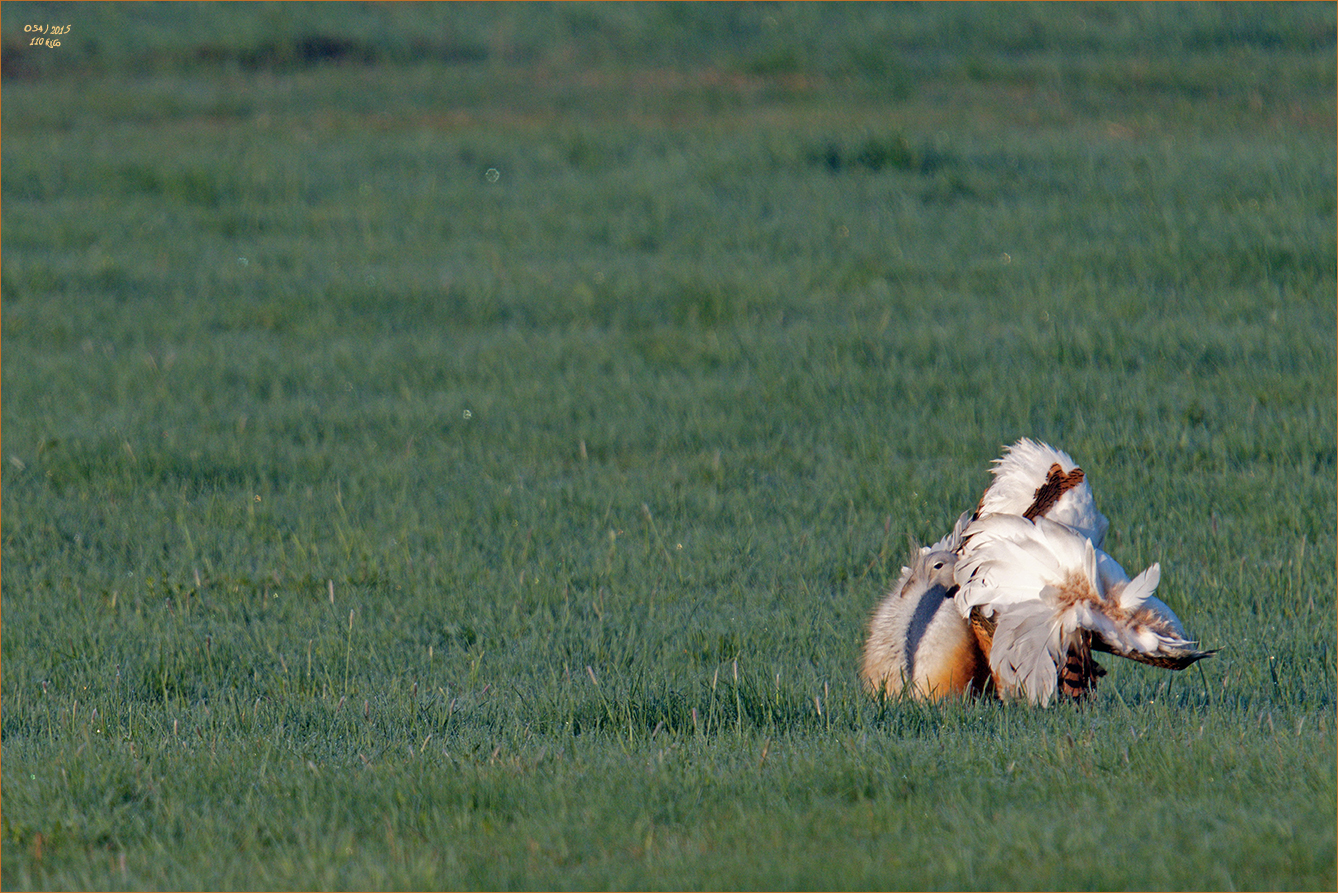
column 453, row 446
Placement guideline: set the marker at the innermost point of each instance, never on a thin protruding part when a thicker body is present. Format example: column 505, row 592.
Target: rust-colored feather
column 1057, row 483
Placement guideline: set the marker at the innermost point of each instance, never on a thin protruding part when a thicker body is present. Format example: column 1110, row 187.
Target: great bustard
column 1017, row 597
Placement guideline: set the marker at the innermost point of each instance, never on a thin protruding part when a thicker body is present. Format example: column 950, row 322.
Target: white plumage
column 1051, row 593
column 1031, row 594
column 1036, row 480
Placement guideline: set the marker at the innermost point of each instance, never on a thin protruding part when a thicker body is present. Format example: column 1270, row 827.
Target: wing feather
column 1045, row 584
column 1023, row 654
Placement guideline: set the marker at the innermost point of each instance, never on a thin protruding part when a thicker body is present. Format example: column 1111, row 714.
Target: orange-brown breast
column 964, row 670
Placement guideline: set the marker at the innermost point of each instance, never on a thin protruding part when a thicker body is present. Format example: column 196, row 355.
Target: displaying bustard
column 1017, row 597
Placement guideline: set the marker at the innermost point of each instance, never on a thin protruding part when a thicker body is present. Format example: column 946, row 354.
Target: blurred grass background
column 458, row 445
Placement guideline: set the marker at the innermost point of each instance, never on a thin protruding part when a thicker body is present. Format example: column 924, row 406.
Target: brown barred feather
column 1078, row 675
column 983, row 627
column 1166, row 662
column 1057, row 483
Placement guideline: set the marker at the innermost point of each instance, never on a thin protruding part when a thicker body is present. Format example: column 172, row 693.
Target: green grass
column 453, row 446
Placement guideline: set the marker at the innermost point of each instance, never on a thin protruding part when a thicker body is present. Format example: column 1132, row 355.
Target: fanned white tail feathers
column 1036, row 480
